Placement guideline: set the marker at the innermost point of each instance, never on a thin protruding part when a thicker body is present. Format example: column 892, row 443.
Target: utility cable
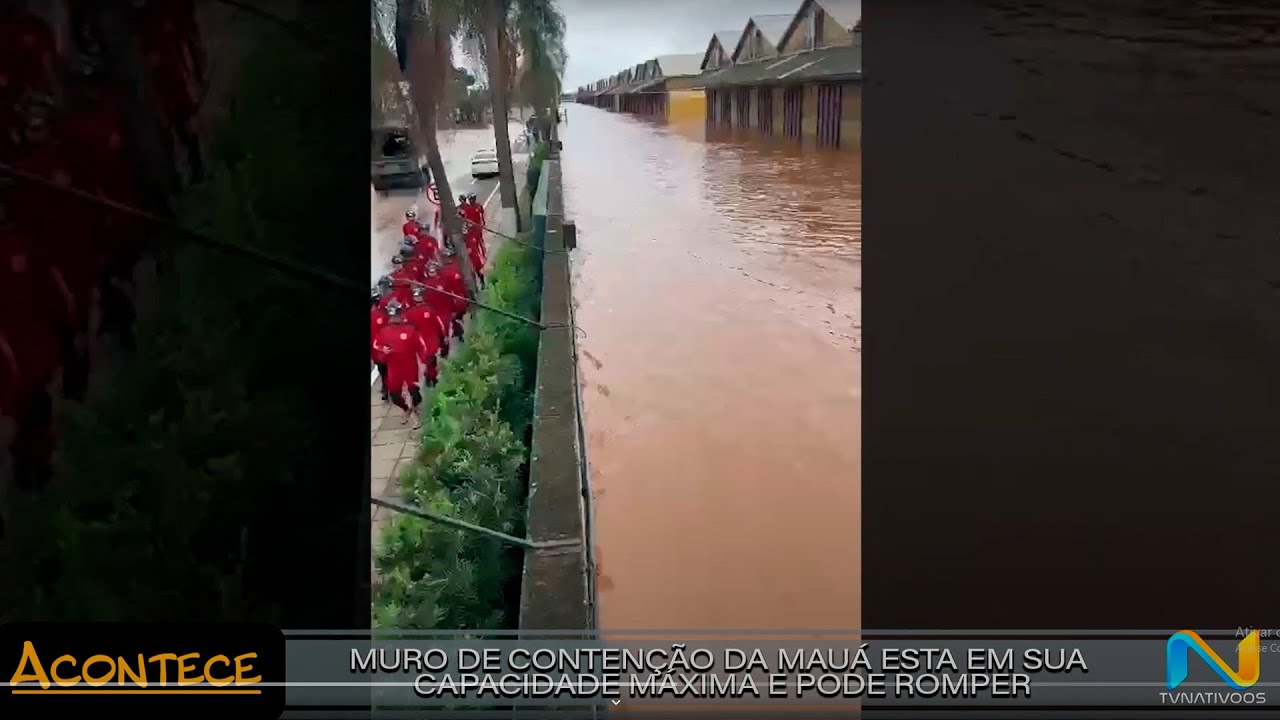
column 279, row 263
column 470, row 527
column 468, row 222
column 485, row 306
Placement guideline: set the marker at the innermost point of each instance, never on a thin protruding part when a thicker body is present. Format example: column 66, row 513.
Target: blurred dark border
column 1072, row 339
column 213, row 464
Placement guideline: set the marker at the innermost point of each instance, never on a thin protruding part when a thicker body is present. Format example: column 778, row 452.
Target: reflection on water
column 717, row 284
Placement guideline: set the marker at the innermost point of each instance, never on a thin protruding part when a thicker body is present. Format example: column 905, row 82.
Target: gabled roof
column 839, row 63
column 848, row 13
column 771, row 27
column 672, row 66
column 726, row 38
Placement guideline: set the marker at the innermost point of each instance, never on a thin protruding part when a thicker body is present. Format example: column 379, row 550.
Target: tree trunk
column 448, row 208
column 427, row 77
column 495, row 59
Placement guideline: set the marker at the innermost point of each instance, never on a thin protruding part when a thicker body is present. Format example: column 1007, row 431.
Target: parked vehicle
column 484, row 164
column 397, row 162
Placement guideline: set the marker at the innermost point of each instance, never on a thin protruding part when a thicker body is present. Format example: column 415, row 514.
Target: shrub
column 534, row 173
column 472, row 465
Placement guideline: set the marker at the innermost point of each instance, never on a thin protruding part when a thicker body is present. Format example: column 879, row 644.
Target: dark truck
column 397, row 162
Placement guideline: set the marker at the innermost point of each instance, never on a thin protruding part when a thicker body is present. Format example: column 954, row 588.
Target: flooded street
column 718, row 285
column 387, row 212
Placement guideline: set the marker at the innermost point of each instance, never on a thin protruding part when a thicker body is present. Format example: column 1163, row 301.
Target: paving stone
column 382, row 468
column 390, row 450
column 395, row 421
column 390, row 437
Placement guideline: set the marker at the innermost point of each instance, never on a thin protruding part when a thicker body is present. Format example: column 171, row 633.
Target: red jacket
column 404, row 350
column 378, row 319
column 406, row 276
column 400, row 291
column 441, row 304
column 415, row 268
column 476, row 251
column 428, row 321
column 451, row 281
column 27, row 50
column 62, row 274
column 431, row 331
column 171, row 45
column 428, row 247
column 32, row 349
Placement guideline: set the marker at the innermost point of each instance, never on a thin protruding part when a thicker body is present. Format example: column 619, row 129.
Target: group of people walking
column 67, row 256
column 417, row 309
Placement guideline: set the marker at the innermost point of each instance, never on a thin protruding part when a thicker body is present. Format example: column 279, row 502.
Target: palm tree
column 424, row 44
column 540, row 27
column 488, row 21
column 533, row 31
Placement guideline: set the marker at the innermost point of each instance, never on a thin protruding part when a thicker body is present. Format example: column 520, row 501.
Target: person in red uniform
column 413, row 262
column 392, row 291
column 95, row 137
column 173, row 52
column 427, row 245
column 410, row 226
column 452, row 282
column 28, row 50
column 378, row 319
column 476, row 252
column 441, row 305
column 96, row 134
column 405, row 354
column 403, row 278
column 428, row 324
column 31, row 350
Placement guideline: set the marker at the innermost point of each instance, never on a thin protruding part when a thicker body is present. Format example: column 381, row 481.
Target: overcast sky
column 605, row 36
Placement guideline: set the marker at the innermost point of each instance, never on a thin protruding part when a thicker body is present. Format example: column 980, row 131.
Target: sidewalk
column 393, row 443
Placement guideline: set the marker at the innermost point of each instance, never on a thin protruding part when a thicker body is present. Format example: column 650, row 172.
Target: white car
column 484, row 164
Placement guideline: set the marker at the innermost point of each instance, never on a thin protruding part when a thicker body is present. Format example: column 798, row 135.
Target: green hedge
column 472, row 465
column 534, row 173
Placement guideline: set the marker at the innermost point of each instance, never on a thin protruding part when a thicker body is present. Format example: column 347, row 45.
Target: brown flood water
column 717, row 285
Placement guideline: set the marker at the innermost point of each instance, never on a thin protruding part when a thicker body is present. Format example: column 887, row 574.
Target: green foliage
column 472, row 466
column 169, row 482
column 534, row 173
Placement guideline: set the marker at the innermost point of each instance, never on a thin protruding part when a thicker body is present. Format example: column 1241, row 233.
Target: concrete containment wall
column 556, row 592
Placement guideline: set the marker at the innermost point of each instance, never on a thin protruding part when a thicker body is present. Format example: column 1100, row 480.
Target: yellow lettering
column 239, row 670
column 63, row 681
column 161, row 660
column 186, row 666
column 138, row 678
column 29, row 657
column 98, row 681
column 243, row 666
column 208, row 671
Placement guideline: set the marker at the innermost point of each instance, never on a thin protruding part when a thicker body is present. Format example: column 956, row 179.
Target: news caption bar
column 1219, row 670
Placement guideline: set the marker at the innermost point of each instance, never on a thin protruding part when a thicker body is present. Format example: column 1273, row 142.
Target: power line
column 477, row 529
column 286, row 264
column 485, row 306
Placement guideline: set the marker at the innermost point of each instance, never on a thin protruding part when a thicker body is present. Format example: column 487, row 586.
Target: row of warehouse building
column 795, row 75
